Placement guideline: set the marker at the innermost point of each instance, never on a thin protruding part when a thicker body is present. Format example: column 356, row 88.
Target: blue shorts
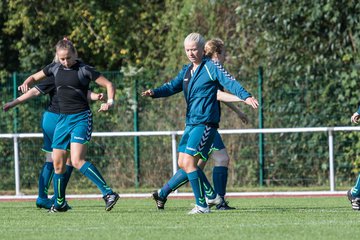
column 218, row 143
column 73, row 128
column 48, row 124
column 197, row 140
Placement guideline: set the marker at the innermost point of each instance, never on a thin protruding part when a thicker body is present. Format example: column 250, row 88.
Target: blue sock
column 59, row 189
column 209, row 191
column 45, row 178
column 220, row 176
column 67, row 174
column 91, row 172
column 197, row 185
column 175, row 182
column 355, row 191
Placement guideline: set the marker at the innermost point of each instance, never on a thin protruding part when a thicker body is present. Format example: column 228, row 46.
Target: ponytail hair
column 65, row 43
column 215, row 45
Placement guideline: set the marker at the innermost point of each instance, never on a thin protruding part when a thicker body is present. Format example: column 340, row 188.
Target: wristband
column 110, row 101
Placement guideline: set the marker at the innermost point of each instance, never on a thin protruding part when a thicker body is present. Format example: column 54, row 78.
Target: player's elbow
column 219, row 96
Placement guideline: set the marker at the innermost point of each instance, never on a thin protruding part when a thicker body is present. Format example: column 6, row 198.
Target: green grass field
column 255, row 218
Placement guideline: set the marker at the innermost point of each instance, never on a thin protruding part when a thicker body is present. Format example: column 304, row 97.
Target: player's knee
column 77, row 163
column 201, row 164
column 59, row 168
column 222, row 161
column 48, row 157
column 180, row 164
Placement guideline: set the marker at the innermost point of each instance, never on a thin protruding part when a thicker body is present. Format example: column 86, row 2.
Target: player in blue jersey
column 199, row 81
column 215, row 50
column 354, row 193
column 74, row 127
column 48, row 124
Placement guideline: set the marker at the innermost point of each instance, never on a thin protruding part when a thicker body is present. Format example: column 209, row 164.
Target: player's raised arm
column 110, row 89
column 227, row 97
column 23, row 98
column 25, row 86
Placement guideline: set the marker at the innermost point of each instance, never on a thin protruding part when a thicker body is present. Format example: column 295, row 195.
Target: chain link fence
column 290, row 160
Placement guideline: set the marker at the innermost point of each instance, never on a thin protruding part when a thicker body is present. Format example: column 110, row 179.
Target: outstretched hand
column 26, row 84
column 105, row 107
column 355, row 117
column 147, row 93
column 24, row 88
column 252, row 102
column 7, row 106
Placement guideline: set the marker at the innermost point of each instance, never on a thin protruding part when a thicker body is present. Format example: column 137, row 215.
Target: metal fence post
column 15, row 122
column 261, row 126
column 136, row 138
column 16, row 166
column 331, row 161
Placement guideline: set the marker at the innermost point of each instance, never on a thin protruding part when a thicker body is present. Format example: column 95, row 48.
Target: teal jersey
column 200, row 91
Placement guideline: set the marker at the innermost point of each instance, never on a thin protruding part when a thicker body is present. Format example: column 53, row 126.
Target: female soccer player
column 48, row 124
column 199, row 81
column 215, row 50
column 74, row 127
column 353, row 194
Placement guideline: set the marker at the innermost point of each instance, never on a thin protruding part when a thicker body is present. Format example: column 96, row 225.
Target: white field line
column 186, row 195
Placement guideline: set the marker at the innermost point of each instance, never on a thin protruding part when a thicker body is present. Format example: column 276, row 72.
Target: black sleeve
column 46, row 85
column 91, row 73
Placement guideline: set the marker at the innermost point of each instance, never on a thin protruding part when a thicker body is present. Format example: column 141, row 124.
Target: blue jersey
column 200, row 91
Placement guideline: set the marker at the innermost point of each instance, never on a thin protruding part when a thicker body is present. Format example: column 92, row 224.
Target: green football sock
column 45, row 178
column 67, row 175
column 175, row 182
column 197, row 187
column 59, row 190
column 209, row 191
column 91, row 172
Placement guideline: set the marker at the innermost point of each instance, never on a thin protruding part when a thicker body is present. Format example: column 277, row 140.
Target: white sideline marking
column 229, row 194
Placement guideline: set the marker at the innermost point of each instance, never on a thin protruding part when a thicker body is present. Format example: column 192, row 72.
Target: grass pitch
column 255, row 218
